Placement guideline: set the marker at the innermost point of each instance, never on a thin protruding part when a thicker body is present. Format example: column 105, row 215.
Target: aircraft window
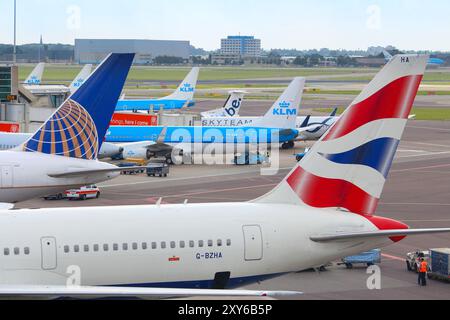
column 144, row 246
column 105, row 247
column 201, row 243
column 86, row 248
column 125, row 247
column 115, row 247
column 228, row 243
column 163, row 245
column 219, row 243
column 96, row 247
column 27, row 251
column 6, row 252
column 76, row 249
column 192, row 244
column 210, row 243
column 182, row 244
column 135, row 246
column 173, row 245
column 66, row 249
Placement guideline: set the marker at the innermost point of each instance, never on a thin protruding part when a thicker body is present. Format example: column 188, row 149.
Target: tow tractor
column 438, row 263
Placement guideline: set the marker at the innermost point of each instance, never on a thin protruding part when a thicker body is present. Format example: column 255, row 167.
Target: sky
column 299, row 24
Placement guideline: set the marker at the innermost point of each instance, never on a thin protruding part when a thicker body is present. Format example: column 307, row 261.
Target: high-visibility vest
column 424, row 267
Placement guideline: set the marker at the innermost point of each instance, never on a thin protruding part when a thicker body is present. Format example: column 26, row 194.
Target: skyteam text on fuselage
column 183, row 97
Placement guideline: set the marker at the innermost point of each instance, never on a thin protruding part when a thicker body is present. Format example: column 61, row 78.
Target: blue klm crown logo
column 187, row 88
column 34, row 80
column 78, row 83
column 284, row 110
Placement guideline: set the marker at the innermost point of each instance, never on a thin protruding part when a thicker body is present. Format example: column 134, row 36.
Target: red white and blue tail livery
column 348, row 167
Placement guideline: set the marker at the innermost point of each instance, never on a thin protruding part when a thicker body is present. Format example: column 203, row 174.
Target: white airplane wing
column 53, row 292
column 84, row 172
column 375, row 234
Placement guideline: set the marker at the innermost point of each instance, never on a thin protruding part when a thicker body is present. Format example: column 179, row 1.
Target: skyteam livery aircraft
column 229, row 117
column 181, row 98
column 35, row 78
column 63, row 153
column 230, row 108
column 322, row 211
column 274, row 128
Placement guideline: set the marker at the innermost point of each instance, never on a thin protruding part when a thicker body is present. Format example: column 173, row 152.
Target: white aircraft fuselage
column 162, row 245
column 25, row 175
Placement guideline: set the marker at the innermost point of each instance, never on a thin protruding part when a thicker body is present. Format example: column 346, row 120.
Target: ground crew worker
column 423, row 269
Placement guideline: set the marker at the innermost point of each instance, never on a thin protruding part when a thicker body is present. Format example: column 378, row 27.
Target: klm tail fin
column 35, row 78
column 284, row 112
column 77, row 129
column 80, row 78
column 186, row 90
column 231, row 107
column 348, row 167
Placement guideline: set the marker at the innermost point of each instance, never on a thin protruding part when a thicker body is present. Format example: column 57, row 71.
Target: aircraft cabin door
column 7, row 176
column 253, row 242
column 49, row 257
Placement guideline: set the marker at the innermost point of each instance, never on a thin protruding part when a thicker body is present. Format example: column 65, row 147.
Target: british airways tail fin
column 35, row 78
column 80, row 78
column 186, row 90
column 231, row 107
column 348, row 167
column 283, row 114
column 78, row 127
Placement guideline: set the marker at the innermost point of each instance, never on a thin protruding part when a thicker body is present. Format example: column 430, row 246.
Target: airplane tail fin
column 186, row 90
column 80, row 78
column 334, row 113
column 231, row 107
column 387, row 55
column 78, row 127
column 35, row 78
column 348, row 167
column 283, row 113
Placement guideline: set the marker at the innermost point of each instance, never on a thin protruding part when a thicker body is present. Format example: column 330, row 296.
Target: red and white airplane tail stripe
column 348, row 167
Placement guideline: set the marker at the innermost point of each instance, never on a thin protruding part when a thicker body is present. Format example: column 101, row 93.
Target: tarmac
column 417, row 192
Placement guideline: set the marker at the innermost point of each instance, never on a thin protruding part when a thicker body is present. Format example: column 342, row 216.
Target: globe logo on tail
column 70, row 132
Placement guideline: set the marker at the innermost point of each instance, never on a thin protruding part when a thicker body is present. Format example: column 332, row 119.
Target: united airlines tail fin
column 77, row 129
column 80, row 78
column 186, row 90
column 334, row 113
column 283, row 114
column 231, row 107
column 35, row 78
column 348, row 167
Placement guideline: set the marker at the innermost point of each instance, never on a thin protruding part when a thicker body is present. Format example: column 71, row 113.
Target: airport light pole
column 15, row 34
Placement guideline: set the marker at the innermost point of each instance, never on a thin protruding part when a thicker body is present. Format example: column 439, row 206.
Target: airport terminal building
column 95, row 50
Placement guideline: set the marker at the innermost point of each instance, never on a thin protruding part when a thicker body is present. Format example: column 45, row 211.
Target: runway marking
column 186, row 178
column 429, row 128
column 416, row 204
column 421, row 168
column 430, row 144
column 443, row 220
column 393, row 257
column 221, row 190
column 424, row 155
